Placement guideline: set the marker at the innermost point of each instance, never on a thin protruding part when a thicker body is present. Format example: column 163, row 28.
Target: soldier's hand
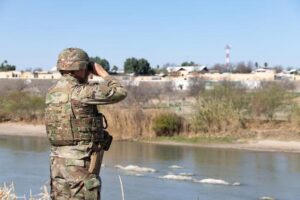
column 99, row 70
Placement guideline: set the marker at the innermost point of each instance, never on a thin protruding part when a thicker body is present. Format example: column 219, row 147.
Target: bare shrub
column 220, row 109
column 268, row 99
column 241, row 67
column 11, row 85
column 230, row 92
column 214, row 116
column 196, row 86
column 288, row 85
column 146, row 92
column 294, row 115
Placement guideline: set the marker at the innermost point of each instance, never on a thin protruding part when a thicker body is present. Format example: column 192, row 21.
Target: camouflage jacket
column 107, row 92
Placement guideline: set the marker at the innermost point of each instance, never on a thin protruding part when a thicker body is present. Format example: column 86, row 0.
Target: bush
column 167, row 124
column 19, row 106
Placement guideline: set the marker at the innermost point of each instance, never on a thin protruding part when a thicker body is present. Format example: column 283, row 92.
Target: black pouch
column 107, row 140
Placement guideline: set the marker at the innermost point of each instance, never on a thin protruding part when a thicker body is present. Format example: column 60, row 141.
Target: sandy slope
column 253, row 145
column 23, row 129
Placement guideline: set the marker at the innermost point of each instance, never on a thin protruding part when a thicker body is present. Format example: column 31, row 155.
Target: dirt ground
column 251, row 145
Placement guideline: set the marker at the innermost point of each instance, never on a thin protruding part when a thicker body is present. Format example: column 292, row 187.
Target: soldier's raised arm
column 107, row 92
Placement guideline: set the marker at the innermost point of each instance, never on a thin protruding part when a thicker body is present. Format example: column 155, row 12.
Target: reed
column 8, row 193
column 130, row 122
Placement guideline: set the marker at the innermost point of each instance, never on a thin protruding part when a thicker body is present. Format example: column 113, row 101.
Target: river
column 156, row 172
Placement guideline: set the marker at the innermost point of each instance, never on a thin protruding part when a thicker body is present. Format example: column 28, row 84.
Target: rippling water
column 156, row 172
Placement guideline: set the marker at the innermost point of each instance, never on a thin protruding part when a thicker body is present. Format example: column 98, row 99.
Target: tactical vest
column 69, row 121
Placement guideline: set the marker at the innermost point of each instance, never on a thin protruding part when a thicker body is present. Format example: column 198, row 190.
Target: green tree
column 144, row 67
column 131, row 65
column 138, row 66
column 188, row 63
column 103, row 62
column 114, row 69
column 7, row 67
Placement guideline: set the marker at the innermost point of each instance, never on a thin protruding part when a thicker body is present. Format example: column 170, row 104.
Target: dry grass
column 129, row 123
column 8, row 193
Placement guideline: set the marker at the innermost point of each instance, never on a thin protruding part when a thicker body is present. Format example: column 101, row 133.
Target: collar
column 70, row 79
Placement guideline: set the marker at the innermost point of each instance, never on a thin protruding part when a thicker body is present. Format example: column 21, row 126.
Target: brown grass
column 129, row 123
column 8, row 193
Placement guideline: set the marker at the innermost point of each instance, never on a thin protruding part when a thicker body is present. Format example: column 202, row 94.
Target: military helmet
column 72, row 59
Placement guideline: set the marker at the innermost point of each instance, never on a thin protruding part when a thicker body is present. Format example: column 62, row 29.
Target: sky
column 33, row 32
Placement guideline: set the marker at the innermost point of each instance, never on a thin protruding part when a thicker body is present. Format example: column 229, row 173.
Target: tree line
column 142, row 66
column 7, row 67
column 131, row 65
column 243, row 67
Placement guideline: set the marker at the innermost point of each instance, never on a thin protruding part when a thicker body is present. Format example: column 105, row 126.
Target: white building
column 185, row 70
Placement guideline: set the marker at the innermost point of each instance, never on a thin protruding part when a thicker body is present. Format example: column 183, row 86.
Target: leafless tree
column 196, row 85
column 241, row 67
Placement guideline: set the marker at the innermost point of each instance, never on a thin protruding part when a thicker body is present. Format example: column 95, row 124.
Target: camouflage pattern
column 73, row 181
column 72, row 59
column 71, row 115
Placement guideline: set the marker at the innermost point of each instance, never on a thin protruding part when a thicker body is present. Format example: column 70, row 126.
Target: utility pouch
column 92, row 183
column 107, row 140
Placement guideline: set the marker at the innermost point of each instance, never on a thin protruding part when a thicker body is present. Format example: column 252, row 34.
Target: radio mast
column 227, row 55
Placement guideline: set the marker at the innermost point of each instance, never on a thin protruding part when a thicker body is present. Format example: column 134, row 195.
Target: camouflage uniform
column 75, row 130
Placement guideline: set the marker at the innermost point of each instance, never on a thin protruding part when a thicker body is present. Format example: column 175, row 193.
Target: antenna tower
column 227, row 55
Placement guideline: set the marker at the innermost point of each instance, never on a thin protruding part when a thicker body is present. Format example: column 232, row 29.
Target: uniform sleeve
column 107, row 92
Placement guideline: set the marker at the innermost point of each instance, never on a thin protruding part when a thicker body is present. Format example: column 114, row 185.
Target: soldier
column 74, row 127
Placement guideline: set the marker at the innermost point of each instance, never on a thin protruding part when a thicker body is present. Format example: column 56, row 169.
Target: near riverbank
column 20, row 129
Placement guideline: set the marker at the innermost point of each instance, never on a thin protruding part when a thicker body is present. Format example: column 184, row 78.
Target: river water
column 162, row 172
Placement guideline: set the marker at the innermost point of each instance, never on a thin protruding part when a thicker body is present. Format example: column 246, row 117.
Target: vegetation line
column 224, row 112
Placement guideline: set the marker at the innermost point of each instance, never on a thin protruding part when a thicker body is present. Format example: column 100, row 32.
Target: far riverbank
column 22, row 129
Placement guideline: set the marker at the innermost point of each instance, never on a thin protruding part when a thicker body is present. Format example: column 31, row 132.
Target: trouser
column 72, row 180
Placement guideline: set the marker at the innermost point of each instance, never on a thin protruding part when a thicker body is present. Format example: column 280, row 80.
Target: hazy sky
column 33, row 32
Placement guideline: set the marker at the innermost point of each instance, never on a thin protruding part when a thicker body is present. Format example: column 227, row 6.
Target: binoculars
column 90, row 66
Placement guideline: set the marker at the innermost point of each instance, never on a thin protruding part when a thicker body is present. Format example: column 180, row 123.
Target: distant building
column 265, row 70
column 10, row 74
column 186, row 70
column 46, row 75
column 30, row 75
